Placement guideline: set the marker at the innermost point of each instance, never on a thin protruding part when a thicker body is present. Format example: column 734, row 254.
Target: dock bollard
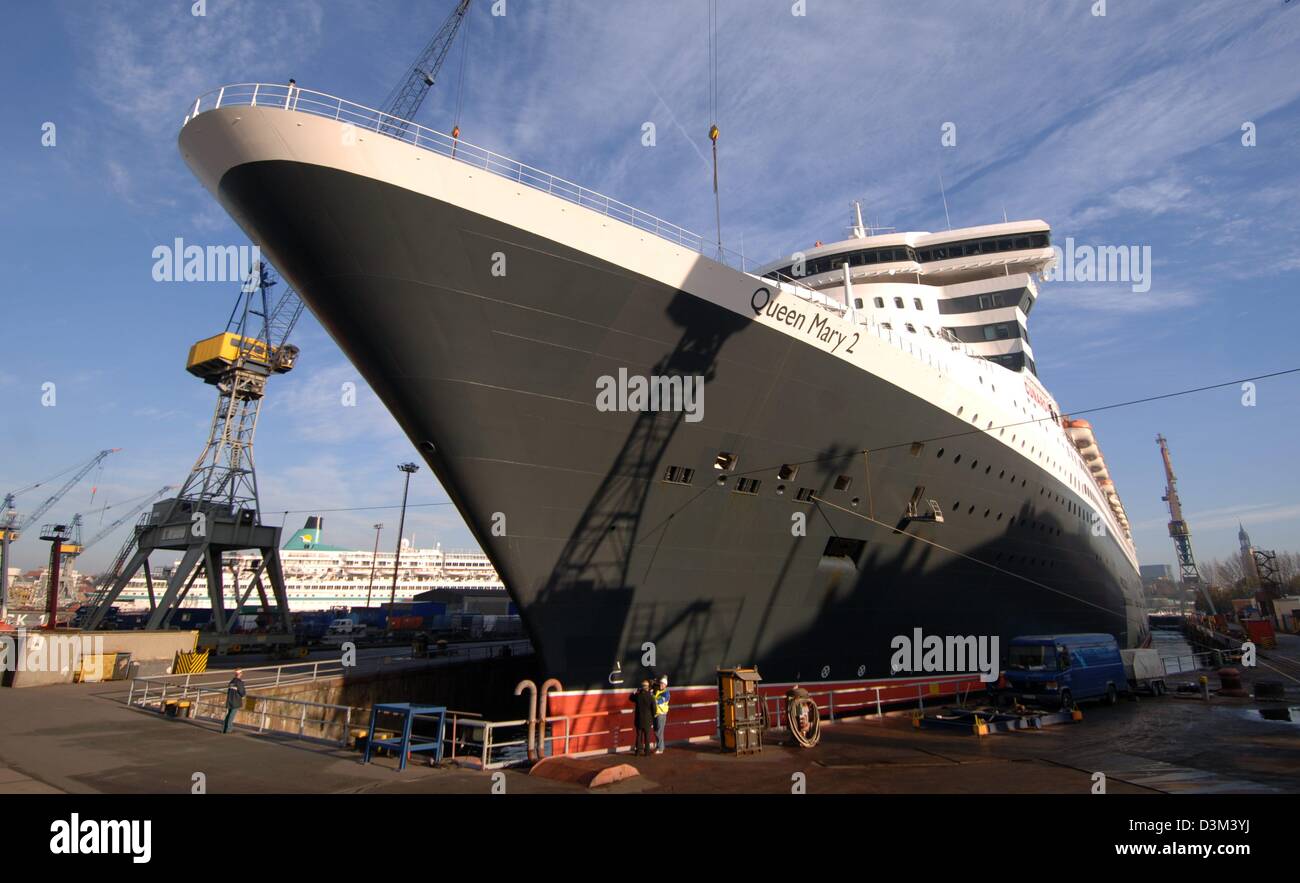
column 1205, row 687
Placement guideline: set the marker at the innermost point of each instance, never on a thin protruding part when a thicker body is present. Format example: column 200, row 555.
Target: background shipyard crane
column 75, row 547
column 11, row 526
column 217, row 510
column 1189, row 575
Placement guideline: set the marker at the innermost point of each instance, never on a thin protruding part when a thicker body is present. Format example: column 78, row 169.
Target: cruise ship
column 318, row 576
column 872, row 452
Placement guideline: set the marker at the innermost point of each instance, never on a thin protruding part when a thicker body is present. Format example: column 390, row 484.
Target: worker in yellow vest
column 661, row 713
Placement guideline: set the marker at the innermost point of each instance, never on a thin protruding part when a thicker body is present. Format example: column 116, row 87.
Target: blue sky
column 1124, row 129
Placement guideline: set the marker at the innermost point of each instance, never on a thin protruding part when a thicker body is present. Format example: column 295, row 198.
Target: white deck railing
column 332, row 107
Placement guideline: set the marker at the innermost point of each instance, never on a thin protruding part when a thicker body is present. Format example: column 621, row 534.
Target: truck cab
column 1062, row 670
column 345, row 628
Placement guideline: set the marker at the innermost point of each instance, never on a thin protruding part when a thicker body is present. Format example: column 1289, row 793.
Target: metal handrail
column 274, row 675
column 295, row 98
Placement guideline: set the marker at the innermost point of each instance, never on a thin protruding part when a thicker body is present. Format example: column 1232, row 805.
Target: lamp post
column 409, row 469
column 374, row 556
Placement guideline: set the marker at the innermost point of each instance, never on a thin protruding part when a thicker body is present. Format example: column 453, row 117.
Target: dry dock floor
column 84, row 739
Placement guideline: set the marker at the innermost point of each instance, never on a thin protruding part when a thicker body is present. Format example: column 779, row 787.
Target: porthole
column 956, row 459
column 854, row 502
column 970, row 511
column 960, row 408
column 940, row 454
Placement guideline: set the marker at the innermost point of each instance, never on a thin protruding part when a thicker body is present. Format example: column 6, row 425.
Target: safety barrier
column 155, row 689
column 596, row 723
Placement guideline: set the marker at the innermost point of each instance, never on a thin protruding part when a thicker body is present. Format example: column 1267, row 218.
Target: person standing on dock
column 235, row 694
column 644, row 717
column 661, row 713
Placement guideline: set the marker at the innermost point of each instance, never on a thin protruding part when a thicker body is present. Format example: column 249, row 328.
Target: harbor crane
column 11, row 526
column 1188, row 573
column 75, row 547
column 405, row 99
column 217, row 509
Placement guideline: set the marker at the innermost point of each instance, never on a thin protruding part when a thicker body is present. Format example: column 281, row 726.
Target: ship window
column 787, row 472
column 804, row 494
column 918, row 448
column 887, row 326
column 880, row 302
column 916, row 302
column 898, row 302
column 857, row 303
column 747, row 485
column 842, row 482
column 679, row 475
column 725, row 461
column 910, row 327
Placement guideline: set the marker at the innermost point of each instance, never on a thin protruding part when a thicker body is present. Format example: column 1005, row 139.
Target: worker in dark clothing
column 235, row 694
column 644, row 717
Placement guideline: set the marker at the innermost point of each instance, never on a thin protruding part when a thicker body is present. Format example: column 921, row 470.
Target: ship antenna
column 859, row 230
column 944, row 194
column 713, row 113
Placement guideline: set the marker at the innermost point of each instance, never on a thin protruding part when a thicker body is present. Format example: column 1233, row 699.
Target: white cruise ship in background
column 319, row 576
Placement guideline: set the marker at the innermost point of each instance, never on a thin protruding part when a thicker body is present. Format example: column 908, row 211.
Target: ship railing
column 295, row 98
